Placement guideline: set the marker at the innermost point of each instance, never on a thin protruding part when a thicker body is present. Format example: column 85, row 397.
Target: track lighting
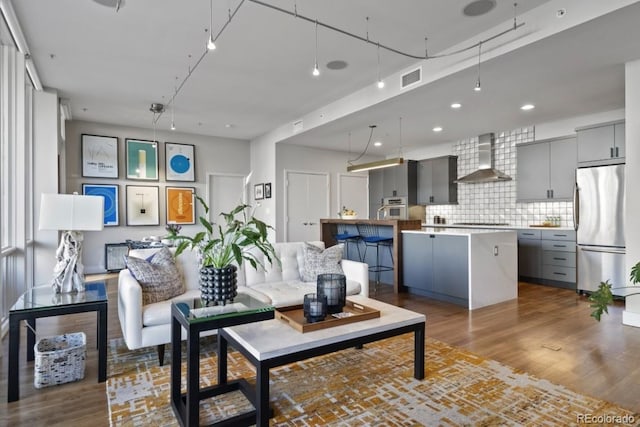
column 316, row 70
column 380, row 81
column 478, row 87
column 211, row 45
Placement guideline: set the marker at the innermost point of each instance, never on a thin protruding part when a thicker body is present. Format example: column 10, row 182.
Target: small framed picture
column 267, row 190
column 110, row 194
column 142, row 159
column 180, row 205
column 142, row 205
column 179, row 162
column 258, row 191
column 99, row 156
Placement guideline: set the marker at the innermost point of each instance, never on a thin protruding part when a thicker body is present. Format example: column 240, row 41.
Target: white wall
column 632, row 171
column 212, row 155
column 263, row 167
column 297, row 158
column 45, row 179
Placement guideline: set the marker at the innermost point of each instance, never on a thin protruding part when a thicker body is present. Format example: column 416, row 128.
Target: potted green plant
column 221, row 253
column 603, row 297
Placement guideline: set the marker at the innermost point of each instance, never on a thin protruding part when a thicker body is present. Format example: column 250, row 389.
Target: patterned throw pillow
column 318, row 261
column 159, row 276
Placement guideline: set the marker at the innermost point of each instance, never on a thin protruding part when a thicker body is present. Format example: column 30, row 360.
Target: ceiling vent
column 410, row 78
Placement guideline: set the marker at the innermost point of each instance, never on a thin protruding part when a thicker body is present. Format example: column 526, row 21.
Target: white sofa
column 148, row 325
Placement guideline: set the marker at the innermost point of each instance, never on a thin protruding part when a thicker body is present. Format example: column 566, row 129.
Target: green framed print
column 142, row 159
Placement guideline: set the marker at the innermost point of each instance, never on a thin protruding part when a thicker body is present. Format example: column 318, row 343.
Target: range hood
column 486, row 172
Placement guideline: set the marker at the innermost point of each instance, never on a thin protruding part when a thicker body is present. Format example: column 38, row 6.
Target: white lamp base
column 68, row 274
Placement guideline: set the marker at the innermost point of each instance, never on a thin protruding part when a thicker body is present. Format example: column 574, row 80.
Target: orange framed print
column 180, row 205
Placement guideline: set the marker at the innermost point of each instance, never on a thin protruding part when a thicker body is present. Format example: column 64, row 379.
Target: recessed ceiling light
column 337, row 64
column 456, row 105
column 437, row 129
column 527, row 107
column 228, row 125
column 377, row 144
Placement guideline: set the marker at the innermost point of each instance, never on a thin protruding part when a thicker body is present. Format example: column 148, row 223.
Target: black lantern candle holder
column 314, row 307
column 334, row 288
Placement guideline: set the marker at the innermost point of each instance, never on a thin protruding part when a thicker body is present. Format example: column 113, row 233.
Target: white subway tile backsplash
column 496, row 202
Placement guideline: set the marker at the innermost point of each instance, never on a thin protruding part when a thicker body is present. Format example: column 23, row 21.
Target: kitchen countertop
column 457, row 231
column 494, row 227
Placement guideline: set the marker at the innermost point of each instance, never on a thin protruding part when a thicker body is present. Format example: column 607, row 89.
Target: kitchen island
column 469, row 267
column 389, row 228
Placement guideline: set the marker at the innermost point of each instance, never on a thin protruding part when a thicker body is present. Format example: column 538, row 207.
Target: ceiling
column 112, row 65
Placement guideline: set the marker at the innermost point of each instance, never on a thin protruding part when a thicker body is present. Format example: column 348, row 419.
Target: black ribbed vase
column 218, row 285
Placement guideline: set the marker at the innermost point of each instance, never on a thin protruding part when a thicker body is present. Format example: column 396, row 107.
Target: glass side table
column 42, row 301
column 195, row 319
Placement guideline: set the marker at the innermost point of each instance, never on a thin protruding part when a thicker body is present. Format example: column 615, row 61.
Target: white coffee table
column 274, row 343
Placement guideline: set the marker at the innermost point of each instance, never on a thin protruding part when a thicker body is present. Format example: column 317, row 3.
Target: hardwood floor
column 547, row 332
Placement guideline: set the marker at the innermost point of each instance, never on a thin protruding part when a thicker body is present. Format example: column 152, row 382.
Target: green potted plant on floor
column 222, row 249
column 603, row 297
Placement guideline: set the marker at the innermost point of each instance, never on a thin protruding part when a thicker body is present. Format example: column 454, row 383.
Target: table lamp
column 73, row 214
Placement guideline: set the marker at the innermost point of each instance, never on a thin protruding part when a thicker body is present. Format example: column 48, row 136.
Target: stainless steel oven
column 394, row 208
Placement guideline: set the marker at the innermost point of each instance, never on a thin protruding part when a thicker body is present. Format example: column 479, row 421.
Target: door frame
column 339, row 190
column 286, row 195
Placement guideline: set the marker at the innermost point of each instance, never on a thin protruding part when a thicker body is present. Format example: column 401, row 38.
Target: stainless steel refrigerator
column 599, row 221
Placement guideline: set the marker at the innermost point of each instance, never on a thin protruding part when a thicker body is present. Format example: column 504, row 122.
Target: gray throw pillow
column 158, row 276
column 318, row 261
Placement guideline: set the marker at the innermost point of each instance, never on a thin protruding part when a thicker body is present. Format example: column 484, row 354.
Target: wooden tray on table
column 294, row 316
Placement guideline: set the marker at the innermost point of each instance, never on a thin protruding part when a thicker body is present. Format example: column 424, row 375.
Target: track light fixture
column 380, row 81
column 173, row 124
column 478, row 87
column 316, row 70
column 211, row 45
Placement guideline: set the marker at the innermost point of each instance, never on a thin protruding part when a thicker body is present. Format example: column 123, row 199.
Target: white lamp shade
column 72, row 212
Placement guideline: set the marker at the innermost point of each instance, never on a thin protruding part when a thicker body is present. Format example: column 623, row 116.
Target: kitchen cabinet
column 376, row 178
column 436, row 178
column 437, row 266
column 529, row 254
column 400, row 181
column 546, row 170
column 602, row 144
column 547, row 257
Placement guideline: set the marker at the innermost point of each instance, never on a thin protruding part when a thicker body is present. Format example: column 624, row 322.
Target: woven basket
column 59, row 359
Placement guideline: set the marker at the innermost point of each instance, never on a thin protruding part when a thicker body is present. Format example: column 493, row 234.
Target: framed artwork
column 258, row 191
column 110, row 194
column 181, row 205
column 179, row 162
column 142, row 205
column 99, row 156
column 142, row 159
column 267, row 190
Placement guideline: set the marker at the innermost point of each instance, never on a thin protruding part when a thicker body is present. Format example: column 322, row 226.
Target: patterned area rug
column 373, row 386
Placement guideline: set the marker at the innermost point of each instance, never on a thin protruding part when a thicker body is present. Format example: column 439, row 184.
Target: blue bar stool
column 347, row 235
column 371, row 237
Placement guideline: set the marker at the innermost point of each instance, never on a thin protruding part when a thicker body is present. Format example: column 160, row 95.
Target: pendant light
column 316, row 70
column 380, row 81
column 173, row 101
column 478, row 87
column 211, row 45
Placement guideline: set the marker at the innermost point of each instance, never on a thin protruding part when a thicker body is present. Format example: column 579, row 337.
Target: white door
column 353, row 193
column 307, row 200
column 224, row 193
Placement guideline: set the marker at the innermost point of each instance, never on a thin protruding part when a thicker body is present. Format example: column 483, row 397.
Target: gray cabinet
column 401, row 181
column 547, row 257
column 376, row 179
column 529, row 254
column 546, row 170
column 437, row 266
column 602, row 144
column 436, row 178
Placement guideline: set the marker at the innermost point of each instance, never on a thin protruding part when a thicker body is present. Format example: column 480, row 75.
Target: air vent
column 412, row 77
